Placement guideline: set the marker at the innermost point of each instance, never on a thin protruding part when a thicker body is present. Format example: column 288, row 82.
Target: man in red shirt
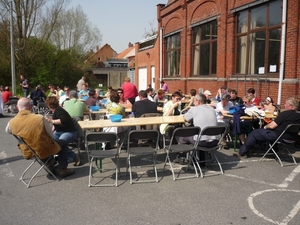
column 130, row 90
column 6, row 95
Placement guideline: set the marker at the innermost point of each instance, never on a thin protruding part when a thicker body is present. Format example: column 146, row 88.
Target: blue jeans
column 257, row 136
column 68, row 137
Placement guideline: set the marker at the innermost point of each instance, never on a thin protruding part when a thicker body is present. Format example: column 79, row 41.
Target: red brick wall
column 180, row 14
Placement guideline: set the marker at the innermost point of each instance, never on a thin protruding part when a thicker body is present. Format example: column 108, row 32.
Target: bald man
column 37, row 133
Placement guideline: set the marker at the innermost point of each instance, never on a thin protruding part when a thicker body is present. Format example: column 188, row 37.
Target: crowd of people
column 200, row 110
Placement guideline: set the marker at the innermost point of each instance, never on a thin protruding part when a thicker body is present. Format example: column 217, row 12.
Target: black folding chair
column 141, row 149
column 181, row 148
column 218, row 133
column 37, row 159
column 292, row 128
column 94, row 141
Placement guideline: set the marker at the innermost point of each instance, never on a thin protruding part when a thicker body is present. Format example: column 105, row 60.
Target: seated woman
column 160, row 97
column 63, row 126
column 123, row 102
column 246, row 125
column 171, row 108
column 113, row 108
column 268, row 105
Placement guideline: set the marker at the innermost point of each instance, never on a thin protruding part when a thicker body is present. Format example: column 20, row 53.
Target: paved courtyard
column 249, row 192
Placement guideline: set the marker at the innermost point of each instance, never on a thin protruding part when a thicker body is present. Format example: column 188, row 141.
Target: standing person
column 80, row 83
column 130, row 90
column 36, row 132
column 164, row 86
column 271, row 131
column 25, row 86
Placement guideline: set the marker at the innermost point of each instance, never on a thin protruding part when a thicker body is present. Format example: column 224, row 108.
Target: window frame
column 250, row 31
column 175, row 51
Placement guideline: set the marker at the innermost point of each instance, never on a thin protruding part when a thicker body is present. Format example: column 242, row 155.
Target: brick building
column 239, row 44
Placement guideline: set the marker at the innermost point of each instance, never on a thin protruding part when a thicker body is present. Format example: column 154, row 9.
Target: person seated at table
column 221, row 91
column 207, row 94
column 234, row 98
column 246, row 125
column 92, row 100
column 270, row 132
column 52, row 91
column 36, row 132
column 144, row 105
column 268, row 105
column 193, row 93
column 74, row 107
column 222, row 108
column 60, row 91
column 160, row 97
column 6, row 94
column 109, row 89
column 251, row 93
column 84, row 93
column 64, row 97
column 202, row 116
column 122, row 101
column 114, row 108
column 171, row 108
column 150, row 94
column 63, row 126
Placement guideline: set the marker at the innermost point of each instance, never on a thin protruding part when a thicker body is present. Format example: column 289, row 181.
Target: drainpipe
column 282, row 55
column 160, row 53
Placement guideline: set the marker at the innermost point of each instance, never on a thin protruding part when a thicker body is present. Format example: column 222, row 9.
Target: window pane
column 214, row 30
column 274, row 51
column 196, row 60
column 204, row 59
column 214, row 58
column 258, row 17
column 196, row 35
column 275, row 13
column 241, row 55
column 205, row 32
column 257, row 43
column 242, row 24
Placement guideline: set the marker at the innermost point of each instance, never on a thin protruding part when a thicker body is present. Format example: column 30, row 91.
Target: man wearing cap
column 75, row 107
column 207, row 94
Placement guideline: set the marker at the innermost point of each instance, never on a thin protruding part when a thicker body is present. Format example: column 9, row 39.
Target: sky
column 120, row 21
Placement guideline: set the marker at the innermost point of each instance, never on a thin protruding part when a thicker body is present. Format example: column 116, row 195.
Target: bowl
column 115, row 118
column 95, row 108
column 104, row 101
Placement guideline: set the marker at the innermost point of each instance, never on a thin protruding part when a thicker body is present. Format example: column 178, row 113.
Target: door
column 142, row 79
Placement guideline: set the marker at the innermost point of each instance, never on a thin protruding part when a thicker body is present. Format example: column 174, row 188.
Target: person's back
column 144, row 106
column 30, row 127
column 74, row 107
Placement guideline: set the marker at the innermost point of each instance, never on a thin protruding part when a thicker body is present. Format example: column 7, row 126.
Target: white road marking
column 287, row 219
column 5, row 169
column 251, row 180
column 290, row 177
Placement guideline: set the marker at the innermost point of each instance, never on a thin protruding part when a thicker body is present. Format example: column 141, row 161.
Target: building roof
column 91, row 56
column 127, row 53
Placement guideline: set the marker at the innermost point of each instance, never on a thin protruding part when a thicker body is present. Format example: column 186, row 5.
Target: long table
column 94, row 124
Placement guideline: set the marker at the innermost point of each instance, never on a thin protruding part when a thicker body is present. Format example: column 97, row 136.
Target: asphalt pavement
column 249, row 192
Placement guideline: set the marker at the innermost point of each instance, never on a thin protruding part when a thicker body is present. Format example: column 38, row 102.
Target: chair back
column 291, row 129
column 149, row 127
column 185, row 132
column 143, row 135
column 21, row 141
column 101, row 137
column 214, row 131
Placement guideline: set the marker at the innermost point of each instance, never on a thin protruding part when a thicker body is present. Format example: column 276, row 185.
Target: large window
column 258, row 39
column 173, row 55
column 205, row 49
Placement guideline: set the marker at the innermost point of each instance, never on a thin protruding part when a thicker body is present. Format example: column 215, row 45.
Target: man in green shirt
column 75, row 107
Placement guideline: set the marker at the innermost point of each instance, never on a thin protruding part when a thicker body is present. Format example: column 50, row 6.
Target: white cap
column 207, row 92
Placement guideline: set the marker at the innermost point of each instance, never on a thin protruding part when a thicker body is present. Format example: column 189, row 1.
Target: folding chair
column 80, row 134
column 36, row 158
column 292, row 128
column 181, row 148
column 42, row 108
column 149, row 127
column 220, row 131
column 142, row 149
column 95, row 139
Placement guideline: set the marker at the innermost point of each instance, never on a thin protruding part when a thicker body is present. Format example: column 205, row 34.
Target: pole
column 12, row 52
